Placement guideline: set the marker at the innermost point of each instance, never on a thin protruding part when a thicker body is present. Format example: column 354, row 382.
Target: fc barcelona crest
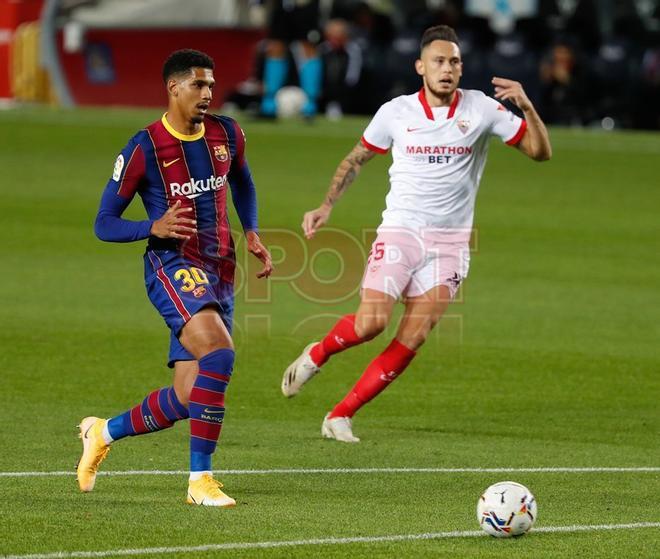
column 220, row 153
column 463, row 125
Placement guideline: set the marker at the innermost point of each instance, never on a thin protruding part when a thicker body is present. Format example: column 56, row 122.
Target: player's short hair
column 438, row 33
column 184, row 60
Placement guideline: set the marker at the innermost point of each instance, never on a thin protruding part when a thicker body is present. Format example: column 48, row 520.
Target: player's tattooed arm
column 345, row 174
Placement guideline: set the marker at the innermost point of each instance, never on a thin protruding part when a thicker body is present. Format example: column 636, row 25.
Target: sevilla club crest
column 463, row 125
column 220, row 153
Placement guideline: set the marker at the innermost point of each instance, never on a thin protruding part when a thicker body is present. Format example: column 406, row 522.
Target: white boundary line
column 303, row 471
column 319, row 541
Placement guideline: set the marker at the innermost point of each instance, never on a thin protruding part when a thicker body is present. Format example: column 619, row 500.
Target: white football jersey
column 438, row 154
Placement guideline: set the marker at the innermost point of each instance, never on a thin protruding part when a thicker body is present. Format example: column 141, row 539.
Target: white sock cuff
column 194, row 476
column 106, row 434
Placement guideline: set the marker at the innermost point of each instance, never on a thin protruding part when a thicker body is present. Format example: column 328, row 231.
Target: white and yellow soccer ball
column 289, row 101
column 506, row 509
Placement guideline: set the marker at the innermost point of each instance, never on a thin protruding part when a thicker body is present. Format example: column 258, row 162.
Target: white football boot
column 339, row 428
column 299, row 372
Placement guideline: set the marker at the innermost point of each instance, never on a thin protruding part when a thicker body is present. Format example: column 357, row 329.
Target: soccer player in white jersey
column 439, row 140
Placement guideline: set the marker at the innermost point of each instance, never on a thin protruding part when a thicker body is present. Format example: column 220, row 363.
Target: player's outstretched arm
column 536, row 142
column 345, row 174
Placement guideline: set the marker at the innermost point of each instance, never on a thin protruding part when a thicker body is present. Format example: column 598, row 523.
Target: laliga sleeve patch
column 119, row 167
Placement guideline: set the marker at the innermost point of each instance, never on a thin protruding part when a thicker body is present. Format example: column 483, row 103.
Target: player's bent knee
column 185, row 373
column 205, row 333
column 203, row 344
column 182, row 394
column 209, row 346
column 370, row 327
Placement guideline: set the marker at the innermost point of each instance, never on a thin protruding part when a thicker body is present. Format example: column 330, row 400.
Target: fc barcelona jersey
column 163, row 166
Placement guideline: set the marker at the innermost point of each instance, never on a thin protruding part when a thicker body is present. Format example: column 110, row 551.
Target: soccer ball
column 506, row 509
column 289, row 100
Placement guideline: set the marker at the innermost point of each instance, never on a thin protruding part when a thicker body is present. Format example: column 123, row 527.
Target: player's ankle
column 194, row 476
column 317, row 355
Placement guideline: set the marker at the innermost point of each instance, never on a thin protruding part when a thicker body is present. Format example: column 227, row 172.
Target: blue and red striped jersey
column 163, row 166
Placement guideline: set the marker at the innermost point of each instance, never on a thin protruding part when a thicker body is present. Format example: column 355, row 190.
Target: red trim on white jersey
column 454, row 104
column 519, row 135
column 427, row 108
column 372, row 147
column 425, row 104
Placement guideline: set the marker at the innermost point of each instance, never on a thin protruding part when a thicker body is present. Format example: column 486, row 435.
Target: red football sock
column 376, row 378
column 341, row 337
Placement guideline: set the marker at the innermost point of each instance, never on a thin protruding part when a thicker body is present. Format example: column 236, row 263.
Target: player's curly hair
column 438, row 33
column 182, row 61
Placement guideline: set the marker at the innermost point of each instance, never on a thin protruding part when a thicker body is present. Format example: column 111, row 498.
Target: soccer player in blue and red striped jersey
column 181, row 167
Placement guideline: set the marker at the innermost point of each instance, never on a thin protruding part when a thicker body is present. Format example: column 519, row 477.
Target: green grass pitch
column 549, row 359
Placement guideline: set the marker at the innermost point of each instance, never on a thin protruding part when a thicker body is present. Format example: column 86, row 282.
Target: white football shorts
column 404, row 263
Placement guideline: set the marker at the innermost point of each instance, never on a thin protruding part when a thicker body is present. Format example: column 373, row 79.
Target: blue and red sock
column 158, row 411
column 207, row 406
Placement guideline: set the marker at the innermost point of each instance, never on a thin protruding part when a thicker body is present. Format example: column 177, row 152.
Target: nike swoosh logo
column 88, row 428
column 168, row 163
column 413, row 129
column 206, row 410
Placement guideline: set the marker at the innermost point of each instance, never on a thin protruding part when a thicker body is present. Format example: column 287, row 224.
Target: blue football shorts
column 179, row 289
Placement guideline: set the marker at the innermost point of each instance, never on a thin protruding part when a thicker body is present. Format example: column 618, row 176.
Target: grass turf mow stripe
column 322, row 541
column 303, row 471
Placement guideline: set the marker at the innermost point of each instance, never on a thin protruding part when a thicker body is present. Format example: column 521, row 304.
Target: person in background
column 342, row 67
column 562, row 86
column 294, row 24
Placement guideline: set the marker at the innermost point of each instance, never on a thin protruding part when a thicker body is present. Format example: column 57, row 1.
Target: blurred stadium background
column 546, row 369
column 583, row 62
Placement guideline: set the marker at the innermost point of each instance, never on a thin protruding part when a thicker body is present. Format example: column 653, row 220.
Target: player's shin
column 158, row 411
column 377, row 377
column 207, row 407
column 341, row 337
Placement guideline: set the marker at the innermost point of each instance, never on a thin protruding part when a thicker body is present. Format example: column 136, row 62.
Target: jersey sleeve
column 128, row 173
column 243, row 191
column 377, row 136
column 129, row 170
column 503, row 123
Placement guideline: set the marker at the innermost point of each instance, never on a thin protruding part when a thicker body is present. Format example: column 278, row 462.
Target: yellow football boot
column 206, row 491
column 95, row 450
